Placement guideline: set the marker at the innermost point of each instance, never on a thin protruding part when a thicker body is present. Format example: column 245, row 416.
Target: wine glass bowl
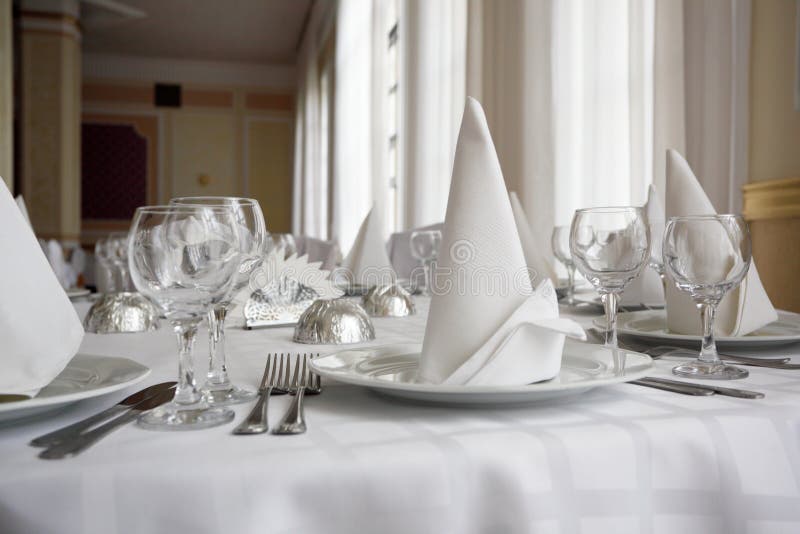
column 706, row 256
column 559, row 241
column 425, row 248
column 610, row 247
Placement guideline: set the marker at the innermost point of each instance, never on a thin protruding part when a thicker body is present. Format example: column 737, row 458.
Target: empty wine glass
column 560, row 243
column 425, row 248
column 707, row 256
column 610, row 247
column 184, row 259
column 252, row 233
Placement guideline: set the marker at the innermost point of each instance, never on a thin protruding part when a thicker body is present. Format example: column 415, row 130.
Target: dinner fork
column 256, row 422
column 294, row 422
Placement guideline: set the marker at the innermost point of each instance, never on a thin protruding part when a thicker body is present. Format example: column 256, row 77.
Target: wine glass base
column 174, row 416
column 712, row 371
column 228, row 396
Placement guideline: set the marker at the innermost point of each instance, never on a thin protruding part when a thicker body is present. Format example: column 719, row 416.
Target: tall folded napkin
column 367, row 260
column 535, row 246
column 38, row 325
column 486, row 324
column 647, row 287
column 742, row 310
column 65, row 272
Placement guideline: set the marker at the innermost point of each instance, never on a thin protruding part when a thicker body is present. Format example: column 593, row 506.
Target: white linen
column 647, row 287
column 482, row 280
column 367, row 262
column 742, row 310
column 64, row 271
column 38, row 324
column 534, row 244
column 618, row 460
column 399, row 250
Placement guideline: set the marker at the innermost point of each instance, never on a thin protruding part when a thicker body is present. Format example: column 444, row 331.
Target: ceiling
column 252, row 31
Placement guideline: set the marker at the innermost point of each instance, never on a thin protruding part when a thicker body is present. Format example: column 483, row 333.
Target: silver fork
column 294, row 422
column 256, row 422
column 314, row 385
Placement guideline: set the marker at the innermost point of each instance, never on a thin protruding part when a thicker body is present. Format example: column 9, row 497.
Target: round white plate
column 78, row 292
column 84, row 377
column 392, row 370
column 651, row 326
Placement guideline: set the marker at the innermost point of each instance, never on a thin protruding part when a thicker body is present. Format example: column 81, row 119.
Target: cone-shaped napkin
column 534, row 245
column 38, row 325
column 742, row 310
column 367, row 260
column 486, row 326
column 647, row 287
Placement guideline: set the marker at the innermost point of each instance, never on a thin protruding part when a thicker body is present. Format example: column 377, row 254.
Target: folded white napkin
column 535, row 245
column 23, row 209
column 742, row 310
column 367, row 260
column 65, row 272
column 38, row 325
column 486, row 325
column 647, row 287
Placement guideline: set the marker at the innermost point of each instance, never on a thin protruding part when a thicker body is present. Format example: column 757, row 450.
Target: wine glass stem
column 570, row 284
column 610, row 305
column 663, row 284
column 426, row 266
column 217, row 371
column 186, row 391
column 708, row 352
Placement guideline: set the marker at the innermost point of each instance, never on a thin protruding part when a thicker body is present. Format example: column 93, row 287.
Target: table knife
column 673, row 388
column 81, row 442
column 730, row 392
column 75, row 429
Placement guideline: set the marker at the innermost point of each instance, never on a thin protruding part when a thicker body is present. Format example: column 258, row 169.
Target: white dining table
column 618, row 459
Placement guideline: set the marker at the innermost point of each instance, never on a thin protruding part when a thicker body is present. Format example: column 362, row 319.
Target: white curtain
column 432, row 84
column 310, row 197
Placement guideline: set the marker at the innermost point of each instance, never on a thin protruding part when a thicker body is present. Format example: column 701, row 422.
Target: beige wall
column 774, row 122
column 6, row 94
column 224, row 140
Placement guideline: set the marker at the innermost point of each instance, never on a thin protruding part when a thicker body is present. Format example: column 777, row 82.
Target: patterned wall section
column 113, row 171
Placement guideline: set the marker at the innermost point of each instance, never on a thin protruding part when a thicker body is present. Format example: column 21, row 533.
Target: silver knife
column 730, row 392
column 673, row 388
column 75, row 429
column 83, row 441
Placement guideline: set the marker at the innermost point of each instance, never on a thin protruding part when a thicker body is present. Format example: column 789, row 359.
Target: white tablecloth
column 622, row 459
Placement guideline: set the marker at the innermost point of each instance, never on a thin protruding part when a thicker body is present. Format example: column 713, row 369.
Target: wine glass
column 117, row 251
column 707, row 256
column 559, row 240
column 252, row 233
column 184, row 259
column 425, row 248
column 610, row 247
column 104, row 267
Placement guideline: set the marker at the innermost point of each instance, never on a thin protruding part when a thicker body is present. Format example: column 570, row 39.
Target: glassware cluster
column 190, row 258
column 425, row 248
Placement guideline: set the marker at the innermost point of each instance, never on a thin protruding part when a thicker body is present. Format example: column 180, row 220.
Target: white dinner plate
column 392, row 370
column 651, row 326
column 78, row 292
column 84, row 377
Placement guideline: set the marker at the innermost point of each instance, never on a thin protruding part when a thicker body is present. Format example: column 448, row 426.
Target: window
column 392, row 114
